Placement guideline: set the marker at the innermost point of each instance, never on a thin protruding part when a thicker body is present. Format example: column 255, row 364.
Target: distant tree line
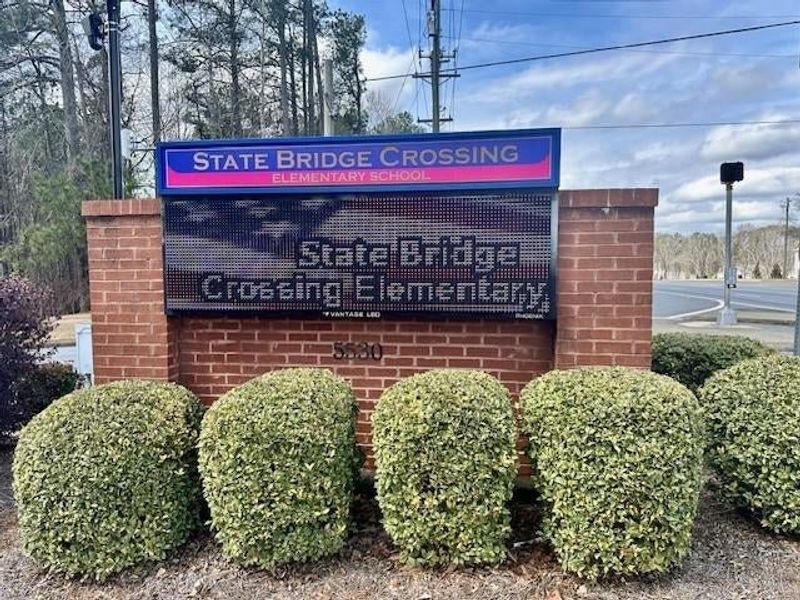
column 192, row 68
column 758, row 253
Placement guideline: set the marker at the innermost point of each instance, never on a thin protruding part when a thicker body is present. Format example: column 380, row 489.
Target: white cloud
column 752, row 141
column 769, row 183
column 588, row 108
column 558, row 75
column 389, row 61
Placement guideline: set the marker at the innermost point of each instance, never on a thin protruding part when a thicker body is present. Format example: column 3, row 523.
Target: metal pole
column 327, row 96
column 436, row 57
column 727, row 316
column 115, row 97
column 797, row 307
column 797, row 313
column 786, row 240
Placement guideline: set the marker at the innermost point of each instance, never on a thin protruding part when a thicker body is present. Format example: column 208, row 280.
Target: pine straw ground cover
column 731, row 559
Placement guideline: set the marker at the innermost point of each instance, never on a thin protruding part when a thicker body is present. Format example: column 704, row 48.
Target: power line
column 679, row 52
column 681, row 125
column 456, row 50
column 413, row 57
column 625, row 16
column 408, row 28
column 611, row 48
column 403, row 84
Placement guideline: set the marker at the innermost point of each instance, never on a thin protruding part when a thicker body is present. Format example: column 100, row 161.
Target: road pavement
column 765, row 309
column 682, row 300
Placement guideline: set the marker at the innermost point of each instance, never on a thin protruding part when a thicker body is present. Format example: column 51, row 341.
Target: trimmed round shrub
column 691, row 358
column 445, row 466
column 753, row 418
column 106, row 477
column 617, row 456
column 277, row 457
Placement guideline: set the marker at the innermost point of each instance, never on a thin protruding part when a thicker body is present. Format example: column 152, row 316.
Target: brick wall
column 605, row 274
column 131, row 336
column 604, row 297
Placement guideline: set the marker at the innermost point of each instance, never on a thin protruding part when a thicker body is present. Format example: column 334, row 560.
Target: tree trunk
column 59, row 19
column 214, row 123
column 310, row 37
column 236, row 92
column 357, row 93
column 282, row 56
column 5, row 189
column 318, row 70
column 304, row 74
column 293, row 84
column 155, row 96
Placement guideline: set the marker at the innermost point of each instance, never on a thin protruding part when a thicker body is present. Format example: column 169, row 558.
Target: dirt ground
column 732, row 559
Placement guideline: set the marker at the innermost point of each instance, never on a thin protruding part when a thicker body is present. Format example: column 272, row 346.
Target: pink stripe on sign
column 474, row 174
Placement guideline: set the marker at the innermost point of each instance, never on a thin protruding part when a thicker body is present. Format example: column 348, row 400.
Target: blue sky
column 745, row 77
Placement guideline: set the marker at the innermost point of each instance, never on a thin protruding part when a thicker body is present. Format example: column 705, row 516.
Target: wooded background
column 758, row 254
column 196, row 69
column 191, row 68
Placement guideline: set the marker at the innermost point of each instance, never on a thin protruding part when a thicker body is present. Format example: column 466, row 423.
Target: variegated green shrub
column 618, row 457
column 691, row 358
column 445, row 466
column 106, row 477
column 277, row 458
column 753, row 416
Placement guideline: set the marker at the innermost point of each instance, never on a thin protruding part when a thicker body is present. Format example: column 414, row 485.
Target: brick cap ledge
column 609, row 198
column 130, row 207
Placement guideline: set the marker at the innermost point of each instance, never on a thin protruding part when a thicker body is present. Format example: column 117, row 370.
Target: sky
column 745, row 77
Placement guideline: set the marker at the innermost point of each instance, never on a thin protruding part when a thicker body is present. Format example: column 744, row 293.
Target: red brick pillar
column 131, row 336
column 605, row 277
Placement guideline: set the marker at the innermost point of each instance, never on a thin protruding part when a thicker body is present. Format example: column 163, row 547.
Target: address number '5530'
column 357, row 350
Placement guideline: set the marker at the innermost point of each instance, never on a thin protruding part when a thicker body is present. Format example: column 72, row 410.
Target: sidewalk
column 776, row 329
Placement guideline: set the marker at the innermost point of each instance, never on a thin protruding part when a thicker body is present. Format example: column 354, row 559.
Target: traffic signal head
column 95, row 30
column 731, row 172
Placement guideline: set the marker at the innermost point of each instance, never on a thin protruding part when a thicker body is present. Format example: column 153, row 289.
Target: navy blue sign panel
column 483, row 254
column 491, row 160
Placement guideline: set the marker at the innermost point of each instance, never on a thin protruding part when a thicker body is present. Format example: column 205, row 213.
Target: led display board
column 473, row 240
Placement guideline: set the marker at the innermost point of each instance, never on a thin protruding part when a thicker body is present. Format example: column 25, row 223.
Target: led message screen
column 483, row 254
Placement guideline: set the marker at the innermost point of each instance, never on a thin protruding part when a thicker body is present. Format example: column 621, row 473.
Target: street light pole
column 729, row 173
column 797, row 314
column 115, row 97
column 727, row 316
column 797, row 304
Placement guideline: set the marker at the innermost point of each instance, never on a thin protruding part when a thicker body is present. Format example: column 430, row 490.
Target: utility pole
column 436, row 63
column 437, row 58
column 115, row 97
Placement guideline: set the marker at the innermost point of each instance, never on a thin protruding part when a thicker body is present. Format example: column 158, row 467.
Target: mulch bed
column 732, row 559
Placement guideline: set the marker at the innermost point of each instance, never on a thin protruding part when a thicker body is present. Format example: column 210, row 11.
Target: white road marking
column 694, row 313
column 734, row 302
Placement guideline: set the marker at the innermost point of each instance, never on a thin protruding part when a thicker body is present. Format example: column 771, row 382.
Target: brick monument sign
column 375, row 257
